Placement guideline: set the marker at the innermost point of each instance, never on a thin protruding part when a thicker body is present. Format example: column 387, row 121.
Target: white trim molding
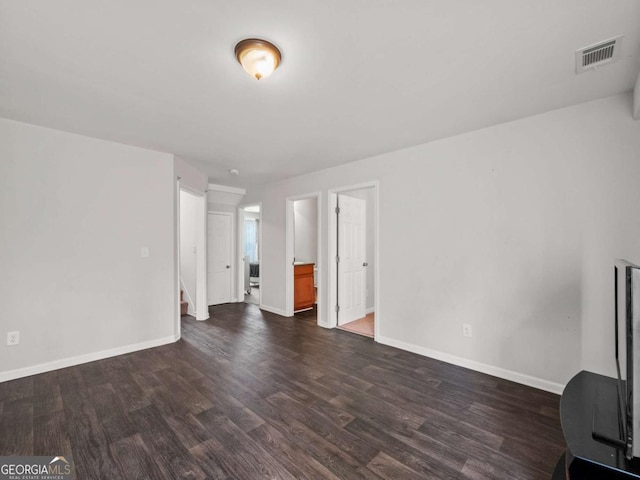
column 325, row 325
column 223, row 188
column 277, row 311
column 521, row 378
column 86, row 358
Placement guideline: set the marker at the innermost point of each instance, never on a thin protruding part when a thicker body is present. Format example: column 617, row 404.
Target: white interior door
column 219, row 259
column 352, row 258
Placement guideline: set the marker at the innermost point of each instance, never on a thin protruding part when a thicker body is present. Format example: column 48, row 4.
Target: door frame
column 332, row 243
column 201, row 306
column 232, row 283
column 240, row 250
column 290, row 251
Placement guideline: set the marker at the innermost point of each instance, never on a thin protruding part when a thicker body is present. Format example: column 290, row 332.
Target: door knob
column 365, row 264
column 228, row 266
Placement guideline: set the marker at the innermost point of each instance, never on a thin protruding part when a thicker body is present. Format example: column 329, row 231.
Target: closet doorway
column 219, row 258
column 353, row 280
column 250, row 235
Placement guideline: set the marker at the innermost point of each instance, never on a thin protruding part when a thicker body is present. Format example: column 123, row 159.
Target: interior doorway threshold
column 362, row 326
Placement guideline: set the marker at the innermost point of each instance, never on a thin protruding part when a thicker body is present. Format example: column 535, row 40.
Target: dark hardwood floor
column 248, row 394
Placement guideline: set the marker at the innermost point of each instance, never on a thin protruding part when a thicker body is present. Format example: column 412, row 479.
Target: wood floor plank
column 116, row 424
column 178, row 396
column 232, row 408
column 16, row 426
column 325, row 451
column 324, row 426
column 249, row 394
column 382, row 413
column 185, row 467
column 188, row 429
column 134, row 460
column 243, row 455
column 296, row 459
column 165, row 445
column 130, row 394
column 89, row 443
column 16, row 389
column 208, row 455
column 49, row 402
column 50, row 434
column 156, row 432
column 434, row 460
column 391, row 469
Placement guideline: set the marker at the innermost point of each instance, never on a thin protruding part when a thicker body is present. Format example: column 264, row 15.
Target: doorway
column 192, row 252
column 250, row 234
column 353, row 243
column 303, row 257
column 219, row 261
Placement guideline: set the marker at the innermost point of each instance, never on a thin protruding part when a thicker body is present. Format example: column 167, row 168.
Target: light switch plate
column 144, row 252
column 467, row 331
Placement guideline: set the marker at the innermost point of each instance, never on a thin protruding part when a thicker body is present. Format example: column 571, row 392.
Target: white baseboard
column 302, row 310
column 80, row 359
column 369, row 310
column 521, row 378
column 275, row 310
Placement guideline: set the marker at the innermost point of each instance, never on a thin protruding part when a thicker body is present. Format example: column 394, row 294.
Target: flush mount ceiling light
column 259, row 58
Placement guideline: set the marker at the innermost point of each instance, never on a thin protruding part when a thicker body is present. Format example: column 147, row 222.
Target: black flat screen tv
column 627, row 319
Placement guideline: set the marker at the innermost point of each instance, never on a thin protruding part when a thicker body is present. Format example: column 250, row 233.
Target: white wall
column 368, row 195
column 189, row 216
column 74, row 214
column 520, row 224
column 190, row 176
column 305, row 222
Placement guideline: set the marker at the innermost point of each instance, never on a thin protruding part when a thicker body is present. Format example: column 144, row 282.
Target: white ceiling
column 358, row 77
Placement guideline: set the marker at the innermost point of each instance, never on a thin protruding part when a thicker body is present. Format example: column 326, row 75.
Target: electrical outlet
column 13, row 338
column 144, row 252
column 466, row 330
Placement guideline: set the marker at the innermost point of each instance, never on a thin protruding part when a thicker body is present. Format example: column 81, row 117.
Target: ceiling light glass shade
column 259, row 58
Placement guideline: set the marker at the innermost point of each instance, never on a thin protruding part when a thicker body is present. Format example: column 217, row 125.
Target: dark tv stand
column 587, row 458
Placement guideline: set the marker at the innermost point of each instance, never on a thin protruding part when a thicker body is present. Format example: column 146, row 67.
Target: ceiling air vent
column 593, row 56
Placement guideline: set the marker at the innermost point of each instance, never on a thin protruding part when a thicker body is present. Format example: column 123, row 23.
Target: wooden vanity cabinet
column 303, row 290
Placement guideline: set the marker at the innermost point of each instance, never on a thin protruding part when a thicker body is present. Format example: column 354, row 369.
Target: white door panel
column 352, row 253
column 219, row 259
